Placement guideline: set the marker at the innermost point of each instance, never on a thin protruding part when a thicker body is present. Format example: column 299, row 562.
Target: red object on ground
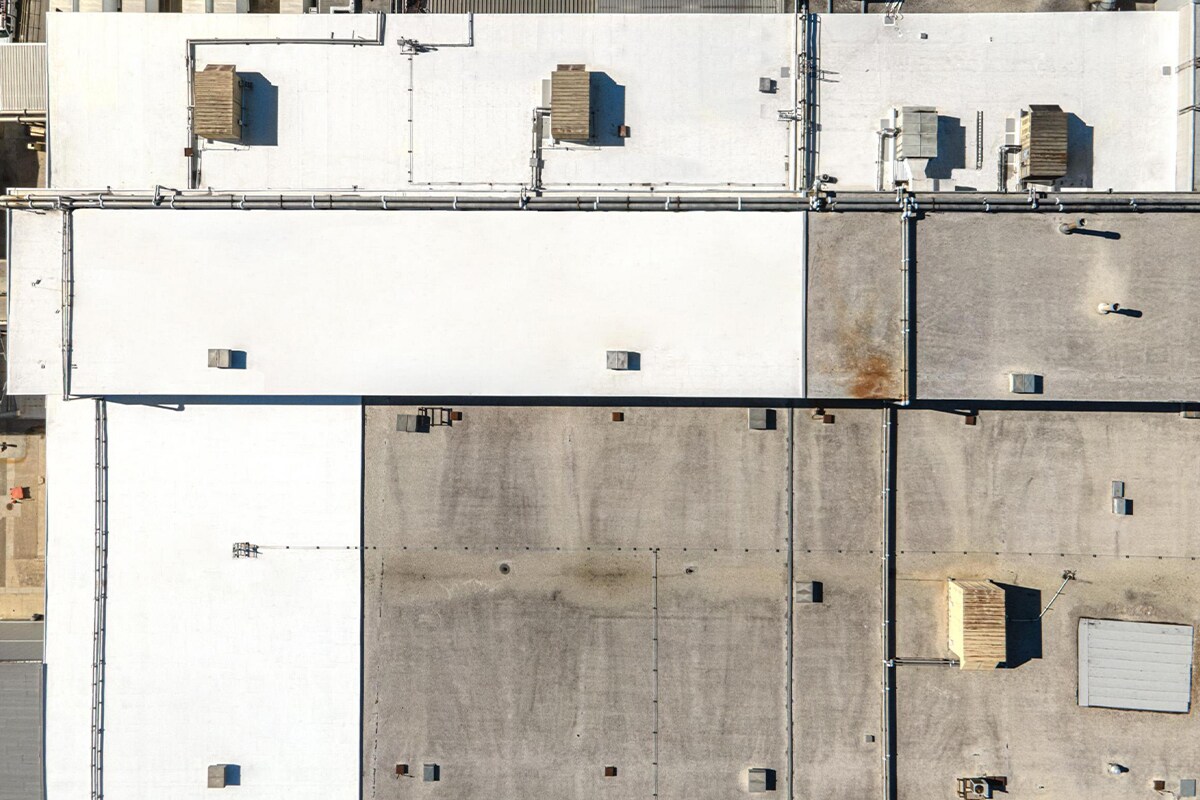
column 19, row 493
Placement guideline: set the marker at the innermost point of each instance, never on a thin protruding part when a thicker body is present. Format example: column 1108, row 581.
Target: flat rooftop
column 552, row 547
column 1002, row 294
column 590, row 592
column 337, row 117
column 395, row 303
column 22, row 734
column 252, row 662
column 526, row 304
column 979, row 70
column 456, row 113
column 470, row 544
column 1017, row 499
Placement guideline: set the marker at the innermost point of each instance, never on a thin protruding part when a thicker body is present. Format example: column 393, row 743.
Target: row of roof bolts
column 623, row 361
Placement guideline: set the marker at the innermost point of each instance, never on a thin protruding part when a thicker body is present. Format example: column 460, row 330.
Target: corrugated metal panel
column 22, row 78
column 21, row 731
column 982, row 632
column 1144, row 666
column 21, row 641
column 218, row 112
column 608, row 6
column 571, row 104
column 1043, row 143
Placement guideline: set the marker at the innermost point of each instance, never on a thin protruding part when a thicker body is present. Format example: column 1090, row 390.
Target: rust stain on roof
column 874, row 377
column 871, row 369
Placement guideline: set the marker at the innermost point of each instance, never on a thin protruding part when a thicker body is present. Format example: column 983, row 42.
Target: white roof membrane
column 346, row 303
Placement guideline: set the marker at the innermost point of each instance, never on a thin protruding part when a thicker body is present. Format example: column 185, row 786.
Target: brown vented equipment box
column 218, row 103
column 1043, row 144
column 571, row 103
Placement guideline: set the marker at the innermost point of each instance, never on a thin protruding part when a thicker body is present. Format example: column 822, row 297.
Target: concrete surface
column 1022, row 297
column 571, row 478
column 23, row 527
column 1040, row 482
column 21, row 732
column 837, row 676
column 549, row 592
column 837, row 481
column 534, row 570
column 726, row 617
column 512, row 683
column 503, row 480
column 1025, row 723
column 1018, row 499
column 854, row 306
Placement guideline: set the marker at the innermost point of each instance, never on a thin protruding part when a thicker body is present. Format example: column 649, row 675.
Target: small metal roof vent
column 622, row 360
column 1024, row 383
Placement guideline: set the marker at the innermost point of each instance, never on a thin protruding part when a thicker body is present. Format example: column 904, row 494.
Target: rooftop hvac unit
column 918, row 132
column 1043, row 144
column 217, row 112
column 980, row 788
column 571, row 103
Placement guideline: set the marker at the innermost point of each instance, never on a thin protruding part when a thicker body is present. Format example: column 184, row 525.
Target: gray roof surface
column 20, row 731
column 1144, row 666
column 21, row 641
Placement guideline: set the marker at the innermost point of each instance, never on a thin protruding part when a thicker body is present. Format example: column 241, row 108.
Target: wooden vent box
column 218, row 103
column 571, row 103
column 1043, row 144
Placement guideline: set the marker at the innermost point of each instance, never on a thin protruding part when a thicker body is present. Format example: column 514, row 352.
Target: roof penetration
column 1143, row 666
